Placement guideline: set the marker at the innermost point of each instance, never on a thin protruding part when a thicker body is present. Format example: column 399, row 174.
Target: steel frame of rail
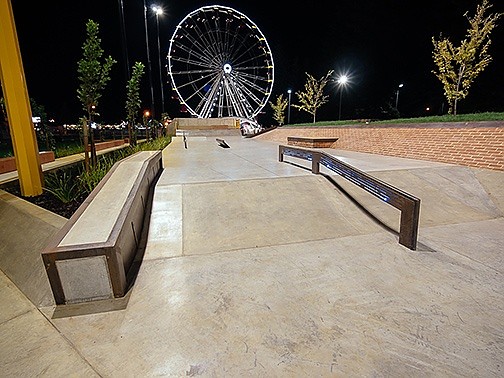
column 408, row 204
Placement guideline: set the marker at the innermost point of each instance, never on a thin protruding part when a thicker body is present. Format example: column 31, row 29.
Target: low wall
column 109, row 144
column 206, row 123
column 9, row 164
column 475, row 144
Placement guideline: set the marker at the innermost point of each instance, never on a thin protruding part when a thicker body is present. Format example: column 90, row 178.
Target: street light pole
column 342, row 80
column 397, row 95
column 159, row 11
column 289, row 92
column 123, row 39
column 148, row 57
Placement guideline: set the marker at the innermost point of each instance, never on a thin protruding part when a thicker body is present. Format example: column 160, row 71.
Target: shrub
column 63, row 186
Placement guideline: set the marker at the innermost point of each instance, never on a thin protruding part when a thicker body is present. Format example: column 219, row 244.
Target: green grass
column 476, row 117
column 67, row 149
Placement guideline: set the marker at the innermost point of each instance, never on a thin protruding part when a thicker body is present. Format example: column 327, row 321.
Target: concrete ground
column 259, row 268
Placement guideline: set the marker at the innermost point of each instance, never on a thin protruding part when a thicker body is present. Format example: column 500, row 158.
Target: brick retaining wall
column 9, row 164
column 477, row 144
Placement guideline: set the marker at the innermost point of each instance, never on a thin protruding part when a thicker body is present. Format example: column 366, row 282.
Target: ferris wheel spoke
column 193, row 72
column 201, row 35
column 250, row 94
column 253, row 59
column 206, row 37
column 232, row 99
column 234, row 39
column 214, row 34
column 204, row 107
column 253, row 77
column 203, row 59
column 245, row 52
column 197, row 44
column 193, row 81
column 241, row 101
column 202, row 87
column 220, row 108
column 245, row 81
column 227, row 33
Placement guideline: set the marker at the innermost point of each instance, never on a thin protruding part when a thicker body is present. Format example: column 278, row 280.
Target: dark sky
column 380, row 43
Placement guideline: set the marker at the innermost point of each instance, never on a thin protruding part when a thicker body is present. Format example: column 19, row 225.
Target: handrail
column 408, row 204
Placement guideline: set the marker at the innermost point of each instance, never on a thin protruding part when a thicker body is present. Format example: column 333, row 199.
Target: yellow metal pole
column 17, row 102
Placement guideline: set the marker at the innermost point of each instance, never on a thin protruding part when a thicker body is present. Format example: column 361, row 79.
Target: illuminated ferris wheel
column 220, row 64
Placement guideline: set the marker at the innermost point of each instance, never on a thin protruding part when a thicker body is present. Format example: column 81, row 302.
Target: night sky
column 379, row 43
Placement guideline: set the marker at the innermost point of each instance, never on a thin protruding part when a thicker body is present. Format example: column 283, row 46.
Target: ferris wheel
column 220, row 64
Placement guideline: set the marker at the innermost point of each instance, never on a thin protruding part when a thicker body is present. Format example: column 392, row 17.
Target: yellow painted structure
column 17, row 102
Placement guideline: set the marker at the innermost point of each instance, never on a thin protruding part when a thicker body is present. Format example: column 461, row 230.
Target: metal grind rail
column 408, row 205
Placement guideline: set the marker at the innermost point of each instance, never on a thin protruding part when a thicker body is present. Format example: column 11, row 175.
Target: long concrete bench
column 90, row 257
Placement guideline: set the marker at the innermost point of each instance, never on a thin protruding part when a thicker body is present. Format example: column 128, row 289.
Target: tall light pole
column 123, row 39
column 289, row 92
column 159, row 11
column 397, row 95
column 342, row 81
column 148, row 57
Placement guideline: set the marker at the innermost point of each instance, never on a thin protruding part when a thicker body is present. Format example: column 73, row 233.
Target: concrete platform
column 259, row 268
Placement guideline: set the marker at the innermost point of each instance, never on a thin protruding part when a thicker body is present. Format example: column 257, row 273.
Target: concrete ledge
column 9, row 164
column 89, row 258
column 311, row 142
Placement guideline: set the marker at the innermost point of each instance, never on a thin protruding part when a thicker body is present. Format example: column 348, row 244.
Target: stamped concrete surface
column 259, row 268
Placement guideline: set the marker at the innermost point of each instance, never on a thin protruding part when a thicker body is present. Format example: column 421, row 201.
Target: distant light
column 157, row 10
column 427, row 109
column 401, row 85
column 343, row 79
column 146, row 113
column 289, row 91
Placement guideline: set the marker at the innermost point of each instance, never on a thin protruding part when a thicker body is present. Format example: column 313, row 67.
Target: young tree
column 133, row 102
column 457, row 67
column 313, row 96
column 44, row 133
column 93, row 77
column 279, row 109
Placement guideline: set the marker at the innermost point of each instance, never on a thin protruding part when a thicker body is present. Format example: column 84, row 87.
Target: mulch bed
column 47, row 201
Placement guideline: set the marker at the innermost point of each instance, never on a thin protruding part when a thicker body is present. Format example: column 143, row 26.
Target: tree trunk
column 314, row 116
column 130, row 136
column 86, row 143
column 459, row 80
column 93, row 148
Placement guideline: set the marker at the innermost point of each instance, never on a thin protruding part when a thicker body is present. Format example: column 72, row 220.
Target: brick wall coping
column 435, row 125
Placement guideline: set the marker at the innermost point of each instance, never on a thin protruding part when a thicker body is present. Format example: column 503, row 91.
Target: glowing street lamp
column 342, row 82
column 289, row 92
column 159, row 11
column 397, row 94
